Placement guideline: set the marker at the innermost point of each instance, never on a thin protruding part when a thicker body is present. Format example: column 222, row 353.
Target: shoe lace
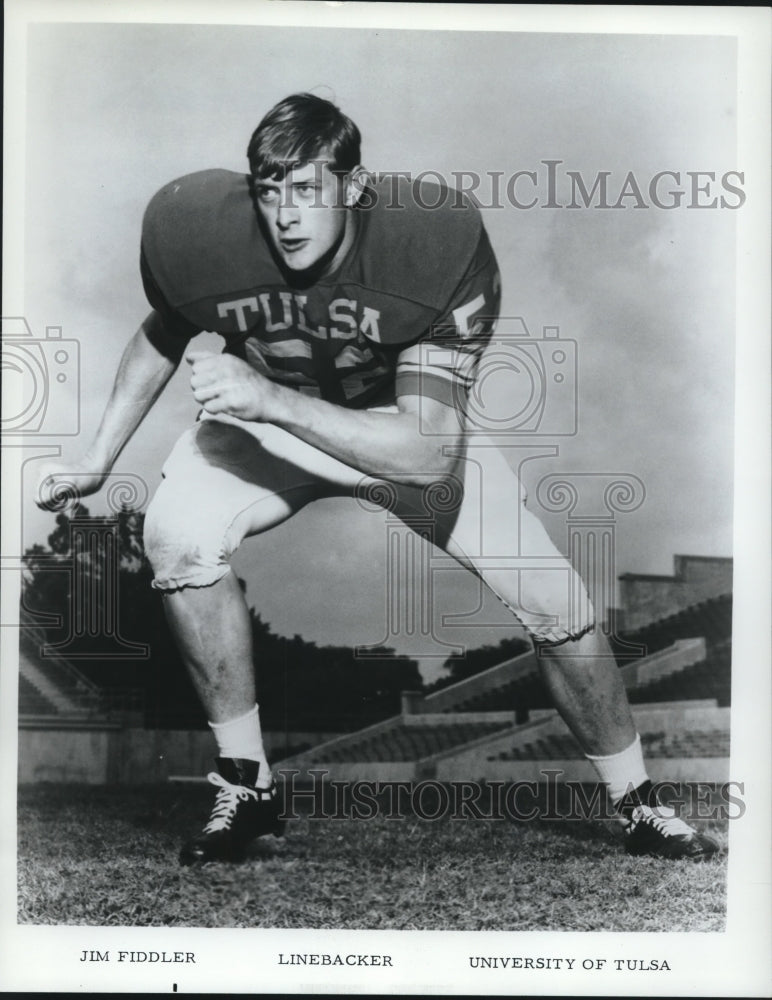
column 226, row 803
column 663, row 819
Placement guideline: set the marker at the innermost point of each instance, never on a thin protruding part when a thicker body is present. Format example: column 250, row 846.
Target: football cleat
column 656, row 830
column 241, row 812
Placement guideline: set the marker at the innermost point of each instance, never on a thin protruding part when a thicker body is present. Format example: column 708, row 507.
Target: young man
column 354, row 314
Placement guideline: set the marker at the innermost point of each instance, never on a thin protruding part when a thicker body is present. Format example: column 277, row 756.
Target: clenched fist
column 224, row 384
column 61, row 485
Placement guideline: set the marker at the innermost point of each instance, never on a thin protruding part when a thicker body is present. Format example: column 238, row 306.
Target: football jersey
column 408, row 311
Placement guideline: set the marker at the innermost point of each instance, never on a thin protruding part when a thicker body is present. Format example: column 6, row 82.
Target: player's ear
column 356, row 183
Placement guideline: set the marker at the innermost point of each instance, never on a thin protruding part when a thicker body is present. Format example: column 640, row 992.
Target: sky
column 646, row 294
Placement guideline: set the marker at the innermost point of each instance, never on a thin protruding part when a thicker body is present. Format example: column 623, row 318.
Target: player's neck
column 341, row 251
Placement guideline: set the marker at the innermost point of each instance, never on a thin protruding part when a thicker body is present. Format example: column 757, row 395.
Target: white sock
column 622, row 771
column 243, row 738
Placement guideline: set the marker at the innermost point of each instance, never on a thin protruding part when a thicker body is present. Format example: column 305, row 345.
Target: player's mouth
column 291, row 246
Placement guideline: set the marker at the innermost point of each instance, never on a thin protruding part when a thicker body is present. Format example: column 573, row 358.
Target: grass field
column 108, row 856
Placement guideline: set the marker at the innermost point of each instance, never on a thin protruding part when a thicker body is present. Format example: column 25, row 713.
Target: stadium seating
column 408, row 741
column 31, row 701
column 711, row 619
column 50, row 685
column 712, row 678
column 521, row 726
column 501, row 715
column 522, row 694
column 694, row 743
column 55, row 671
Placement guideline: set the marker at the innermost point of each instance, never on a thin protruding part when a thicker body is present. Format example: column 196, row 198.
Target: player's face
column 306, row 215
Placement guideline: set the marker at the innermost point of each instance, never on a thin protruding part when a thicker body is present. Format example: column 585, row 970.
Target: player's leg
column 219, row 486
column 223, row 482
column 212, row 630
column 491, row 531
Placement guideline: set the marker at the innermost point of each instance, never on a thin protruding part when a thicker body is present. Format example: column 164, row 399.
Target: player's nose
column 286, row 215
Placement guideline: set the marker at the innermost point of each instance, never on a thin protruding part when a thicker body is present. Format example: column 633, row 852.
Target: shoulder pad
column 421, row 238
column 200, row 229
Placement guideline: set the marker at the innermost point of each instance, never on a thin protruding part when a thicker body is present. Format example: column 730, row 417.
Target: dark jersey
column 408, row 311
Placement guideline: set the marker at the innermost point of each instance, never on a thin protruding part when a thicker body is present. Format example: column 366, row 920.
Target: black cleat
column 241, row 812
column 656, row 830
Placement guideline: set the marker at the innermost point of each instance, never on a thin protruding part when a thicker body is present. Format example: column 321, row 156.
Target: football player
column 354, row 314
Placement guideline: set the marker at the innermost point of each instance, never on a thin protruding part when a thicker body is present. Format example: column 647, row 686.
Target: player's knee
column 184, row 548
column 553, row 606
column 560, row 633
column 572, row 617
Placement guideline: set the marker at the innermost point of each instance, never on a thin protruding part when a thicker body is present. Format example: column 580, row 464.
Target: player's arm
column 147, row 364
column 405, row 446
column 150, row 359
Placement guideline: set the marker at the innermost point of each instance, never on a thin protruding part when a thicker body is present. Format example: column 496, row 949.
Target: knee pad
column 574, row 613
column 553, row 606
column 184, row 548
column 554, row 635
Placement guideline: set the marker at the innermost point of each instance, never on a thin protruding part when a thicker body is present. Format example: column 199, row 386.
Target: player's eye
column 266, row 196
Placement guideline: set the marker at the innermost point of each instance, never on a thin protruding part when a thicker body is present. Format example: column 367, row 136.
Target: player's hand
column 61, row 485
column 224, row 384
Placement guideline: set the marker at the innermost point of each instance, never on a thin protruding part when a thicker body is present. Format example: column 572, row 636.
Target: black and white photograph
column 385, row 499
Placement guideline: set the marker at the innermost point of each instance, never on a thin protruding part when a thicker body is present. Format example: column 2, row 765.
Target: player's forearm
column 396, row 446
column 405, row 447
column 148, row 363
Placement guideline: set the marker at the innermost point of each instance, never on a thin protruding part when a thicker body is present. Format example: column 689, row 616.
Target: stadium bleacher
column 521, row 694
column 695, row 743
column 502, row 714
column 712, row 678
column 515, row 687
column 65, row 688
column 711, row 619
column 50, row 685
column 31, row 701
column 405, row 741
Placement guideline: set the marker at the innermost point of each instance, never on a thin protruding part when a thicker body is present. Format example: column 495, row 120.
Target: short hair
column 299, row 129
